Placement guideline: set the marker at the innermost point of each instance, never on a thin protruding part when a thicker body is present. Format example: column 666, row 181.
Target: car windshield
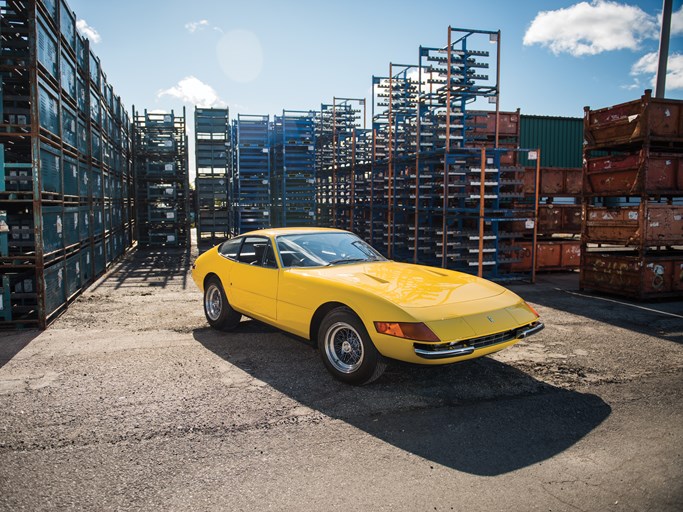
column 324, row 249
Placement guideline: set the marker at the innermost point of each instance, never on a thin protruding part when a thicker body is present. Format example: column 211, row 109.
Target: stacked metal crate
column 394, row 121
column 632, row 233
column 213, row 151
column 337, row 127
column 293, row 185
column 252, row 179
column 162, row 181
column 65, row 175
column 559, row 191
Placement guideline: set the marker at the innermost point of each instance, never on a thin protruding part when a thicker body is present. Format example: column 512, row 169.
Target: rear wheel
column 217, row 309
column 347, row 350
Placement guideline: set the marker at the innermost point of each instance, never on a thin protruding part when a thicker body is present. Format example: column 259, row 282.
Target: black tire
column 347, row 350
column 217, row 309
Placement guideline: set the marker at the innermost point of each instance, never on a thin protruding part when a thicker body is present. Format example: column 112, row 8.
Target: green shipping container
column 559, row 138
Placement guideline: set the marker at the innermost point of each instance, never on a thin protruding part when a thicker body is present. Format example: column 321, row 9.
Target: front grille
column 479, row 342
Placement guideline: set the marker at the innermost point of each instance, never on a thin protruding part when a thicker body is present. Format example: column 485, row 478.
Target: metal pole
column 537, row 191
column 663, row 48
column 497, row 88
column 390, row 165
column 482, row 192
column 444, row 221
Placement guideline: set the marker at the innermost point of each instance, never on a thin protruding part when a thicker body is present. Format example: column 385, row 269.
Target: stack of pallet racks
column 359, row 164
column 466, row 194
column 337, row 127
column 395, row 111
column 323, row 163
column 162, row 182
column 65, row 211
column 252, row 178
column 293, row 183
column 213, row 151
column 632, row 233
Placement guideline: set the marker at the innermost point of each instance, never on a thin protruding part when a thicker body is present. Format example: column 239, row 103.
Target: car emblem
column 490, row 319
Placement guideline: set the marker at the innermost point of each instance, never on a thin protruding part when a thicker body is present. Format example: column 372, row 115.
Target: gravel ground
column 129, row 401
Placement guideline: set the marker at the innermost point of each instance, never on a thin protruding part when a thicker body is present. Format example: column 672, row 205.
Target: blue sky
column 163, row 54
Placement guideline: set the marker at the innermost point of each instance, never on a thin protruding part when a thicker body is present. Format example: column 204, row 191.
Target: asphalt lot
column 130, row 402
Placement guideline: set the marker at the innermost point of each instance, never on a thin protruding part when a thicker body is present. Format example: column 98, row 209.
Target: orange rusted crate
column 551, row 255
column 554, row 181
column 642, row 172
column 659, row 122
column 641, row 225
column 484, row 123
column 559, row 218
column 629, row 275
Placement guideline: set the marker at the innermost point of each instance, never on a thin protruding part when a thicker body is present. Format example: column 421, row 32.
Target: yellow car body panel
column 455, row 306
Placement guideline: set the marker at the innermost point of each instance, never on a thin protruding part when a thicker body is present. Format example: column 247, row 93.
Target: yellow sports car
column 360, row 309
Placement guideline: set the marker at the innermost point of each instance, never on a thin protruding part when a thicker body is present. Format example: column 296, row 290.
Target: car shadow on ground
column 482, row 417
column 561, row 291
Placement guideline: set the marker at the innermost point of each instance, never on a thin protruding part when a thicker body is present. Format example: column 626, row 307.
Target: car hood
column 409, row 286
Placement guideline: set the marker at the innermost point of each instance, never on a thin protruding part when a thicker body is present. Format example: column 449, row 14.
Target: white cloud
column 676, row 22
column 646, row 67
column 88, row 31
column 591, row 28
column 194, row 26
column 195, row 92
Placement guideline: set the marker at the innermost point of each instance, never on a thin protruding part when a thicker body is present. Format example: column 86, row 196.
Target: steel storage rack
column 162, row 186
column 252, row 178
column 632, row 231
column 293, row 184
column 64, row 164
column 337, row 127
column 213, row 152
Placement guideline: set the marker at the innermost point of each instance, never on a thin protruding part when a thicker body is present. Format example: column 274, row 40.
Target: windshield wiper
column 348, row 260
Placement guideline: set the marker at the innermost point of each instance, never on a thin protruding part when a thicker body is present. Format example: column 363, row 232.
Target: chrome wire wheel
column 344, row 347
column 213, row 302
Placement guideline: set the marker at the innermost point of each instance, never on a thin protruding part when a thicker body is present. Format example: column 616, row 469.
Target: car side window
column 253, row 250
column 270, row 260
column 230, row 248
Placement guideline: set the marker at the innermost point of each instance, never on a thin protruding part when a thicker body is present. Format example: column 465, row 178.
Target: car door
column 254, row 279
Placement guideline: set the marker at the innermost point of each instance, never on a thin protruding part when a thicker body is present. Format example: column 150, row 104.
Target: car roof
column 271, row 232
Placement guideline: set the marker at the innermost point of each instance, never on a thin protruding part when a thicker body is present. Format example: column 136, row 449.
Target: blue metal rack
column 251, row 183
column 161, row 165
column 65, row 160
column 293, row 183
column 213, row 152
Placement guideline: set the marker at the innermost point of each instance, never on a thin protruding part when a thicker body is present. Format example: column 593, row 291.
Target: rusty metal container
column 551, row 255
column 629, row 275
column 559, row 218
column 642, row 172
column 641, row 225
column 659, row 122
column 554, row 181
column 484, row 123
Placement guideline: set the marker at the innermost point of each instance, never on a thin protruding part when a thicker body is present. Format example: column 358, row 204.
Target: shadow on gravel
column 657, row 320
column 482, row 417
column 13, row 342
column 146, row 267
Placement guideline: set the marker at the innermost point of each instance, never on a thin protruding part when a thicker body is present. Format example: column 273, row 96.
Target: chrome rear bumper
column 466, row 347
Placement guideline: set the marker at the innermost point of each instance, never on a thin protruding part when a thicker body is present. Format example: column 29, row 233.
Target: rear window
column 230, row 248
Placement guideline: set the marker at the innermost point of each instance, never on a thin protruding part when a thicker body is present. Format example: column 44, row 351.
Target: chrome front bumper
column 466, row 347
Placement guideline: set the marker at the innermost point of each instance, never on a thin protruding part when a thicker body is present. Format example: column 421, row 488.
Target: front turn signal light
column 413, row 331
column 532, row 309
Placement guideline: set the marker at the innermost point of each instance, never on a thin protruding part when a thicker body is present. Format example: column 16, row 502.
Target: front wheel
column 217, row 309
column 346, row 348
